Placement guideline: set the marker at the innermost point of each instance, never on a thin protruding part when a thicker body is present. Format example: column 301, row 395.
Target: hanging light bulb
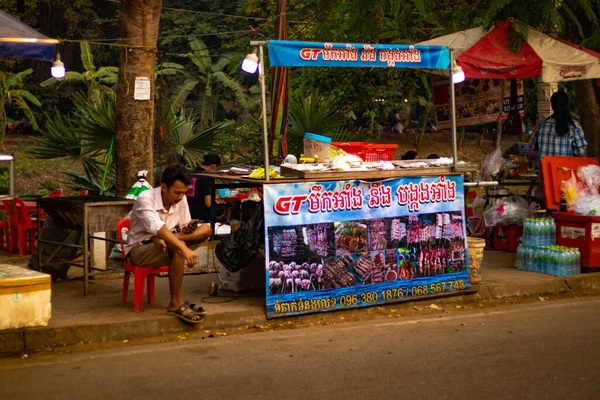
column 458, row 75
column 250, row 63
column 58, row 68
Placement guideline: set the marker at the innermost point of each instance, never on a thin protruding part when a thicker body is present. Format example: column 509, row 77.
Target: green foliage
column 190, row 144
column 241, row 143
column 96, row 81
column 11, row 92
column 213, row 84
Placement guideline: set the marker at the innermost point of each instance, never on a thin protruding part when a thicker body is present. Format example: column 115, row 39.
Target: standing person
column 559, row 134
column 162, row 231
column 201, row 206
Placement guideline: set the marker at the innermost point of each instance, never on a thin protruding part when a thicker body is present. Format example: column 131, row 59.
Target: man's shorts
column 151, row 256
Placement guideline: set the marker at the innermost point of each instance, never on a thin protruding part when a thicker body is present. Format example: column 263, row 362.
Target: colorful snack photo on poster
column 377, row 234
column 320, row 239
column 294, row 277
column 350, row 237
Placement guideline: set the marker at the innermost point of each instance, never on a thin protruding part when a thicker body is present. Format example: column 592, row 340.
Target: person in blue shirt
column 559, row 134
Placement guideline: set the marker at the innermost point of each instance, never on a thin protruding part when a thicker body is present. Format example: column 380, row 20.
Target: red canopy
column 487, row 55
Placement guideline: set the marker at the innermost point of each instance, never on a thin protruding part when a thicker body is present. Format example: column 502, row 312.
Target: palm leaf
column 183, row 91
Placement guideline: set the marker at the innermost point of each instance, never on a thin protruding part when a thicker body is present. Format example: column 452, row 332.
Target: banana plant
column 10, row 91
column 212, row 83
column 96, row 80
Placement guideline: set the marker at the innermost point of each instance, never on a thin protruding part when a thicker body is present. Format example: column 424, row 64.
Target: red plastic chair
column 22, row 227
column 4, row 234
column 141, row 274
column 84, row 193
column 56, row 193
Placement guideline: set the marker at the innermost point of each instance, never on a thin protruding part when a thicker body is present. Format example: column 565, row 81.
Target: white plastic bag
column 512, row 210
column 493, row 163
column 587, row 205
column 589, row 176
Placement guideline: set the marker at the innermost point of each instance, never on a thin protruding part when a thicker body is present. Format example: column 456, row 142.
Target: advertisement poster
column 347, row 244
column 477, row 101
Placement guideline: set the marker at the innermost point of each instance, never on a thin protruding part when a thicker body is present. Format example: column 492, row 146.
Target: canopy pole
column 263, row 96
column 453, row 113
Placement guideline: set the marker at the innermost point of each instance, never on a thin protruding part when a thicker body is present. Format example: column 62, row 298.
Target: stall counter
column 345, row 242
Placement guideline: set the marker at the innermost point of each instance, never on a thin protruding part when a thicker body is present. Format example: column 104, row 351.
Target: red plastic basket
column 369, row 151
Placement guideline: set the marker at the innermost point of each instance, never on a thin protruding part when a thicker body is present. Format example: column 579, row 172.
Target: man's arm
column 171, row 239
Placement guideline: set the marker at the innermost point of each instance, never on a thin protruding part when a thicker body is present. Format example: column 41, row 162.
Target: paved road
column 545, row 350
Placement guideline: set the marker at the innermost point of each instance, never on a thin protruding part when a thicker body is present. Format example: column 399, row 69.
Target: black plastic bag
column 240, row 248
column 55, row 258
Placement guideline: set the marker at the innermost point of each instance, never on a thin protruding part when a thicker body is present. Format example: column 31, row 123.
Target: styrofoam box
column 24, row 298
column 250, row 277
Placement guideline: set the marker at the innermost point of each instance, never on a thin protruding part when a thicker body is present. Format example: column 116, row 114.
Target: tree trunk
column 135, row 118
column 589, row 111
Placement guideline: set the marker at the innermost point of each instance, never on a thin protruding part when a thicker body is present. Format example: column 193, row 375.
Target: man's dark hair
column 211, row 159
column 433, row 156
column 175, row 173
column 560, row 106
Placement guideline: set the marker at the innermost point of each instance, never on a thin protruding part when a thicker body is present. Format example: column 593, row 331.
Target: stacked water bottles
column 539, row 252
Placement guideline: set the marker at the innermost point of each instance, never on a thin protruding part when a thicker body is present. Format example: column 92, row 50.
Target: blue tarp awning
column 19, row 40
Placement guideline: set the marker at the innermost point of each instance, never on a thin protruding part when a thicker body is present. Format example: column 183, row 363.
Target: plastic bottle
column 525, row 232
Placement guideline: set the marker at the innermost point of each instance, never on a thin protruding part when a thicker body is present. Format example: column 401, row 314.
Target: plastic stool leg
column 139, row 278
column 150, row 282
column 126, row 286
column 21, row 242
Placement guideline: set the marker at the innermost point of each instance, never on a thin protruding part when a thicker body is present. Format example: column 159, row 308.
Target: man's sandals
column 187, row 312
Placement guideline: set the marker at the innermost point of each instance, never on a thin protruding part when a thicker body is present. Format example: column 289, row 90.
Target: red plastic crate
column 580, row 231
column 369, row 151
column 350, row 147
column 508, row 238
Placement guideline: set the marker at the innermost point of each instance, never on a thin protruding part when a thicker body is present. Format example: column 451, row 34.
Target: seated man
column 161, row 232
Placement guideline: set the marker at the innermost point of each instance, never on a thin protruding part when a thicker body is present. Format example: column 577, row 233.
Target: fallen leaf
column 393, row 310
column 342, row 318
column 418, row 308
column 125, row 341
column 541, row 299
column 459, row 306
column 209, row 331
column 434, row 307
column 181, row 337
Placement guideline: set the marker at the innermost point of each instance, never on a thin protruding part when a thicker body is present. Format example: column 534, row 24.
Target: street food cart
column 379, row 232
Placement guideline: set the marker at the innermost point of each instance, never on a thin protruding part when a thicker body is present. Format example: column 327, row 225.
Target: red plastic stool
column 141, row 274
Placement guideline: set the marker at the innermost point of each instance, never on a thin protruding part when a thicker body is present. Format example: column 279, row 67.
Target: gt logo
column 287, row 205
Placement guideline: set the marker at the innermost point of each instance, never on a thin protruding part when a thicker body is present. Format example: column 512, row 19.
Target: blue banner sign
column 346, row 244
column 283, row 53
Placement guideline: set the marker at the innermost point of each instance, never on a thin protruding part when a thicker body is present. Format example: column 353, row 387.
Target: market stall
column 352, row 234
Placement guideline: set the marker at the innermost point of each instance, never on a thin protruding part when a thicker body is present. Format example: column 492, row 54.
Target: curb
column 44, row 338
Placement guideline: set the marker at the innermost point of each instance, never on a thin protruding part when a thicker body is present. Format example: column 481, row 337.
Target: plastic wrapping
column 570, row 190
column 513, row 210
column 587, row 205
column 493, row 163
column 589, row 176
